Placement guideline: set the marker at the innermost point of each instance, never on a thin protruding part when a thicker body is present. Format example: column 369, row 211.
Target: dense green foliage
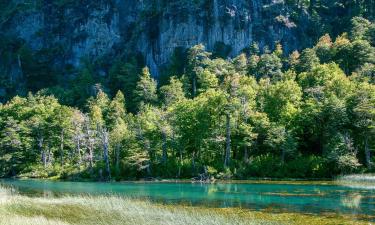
column 269, row 115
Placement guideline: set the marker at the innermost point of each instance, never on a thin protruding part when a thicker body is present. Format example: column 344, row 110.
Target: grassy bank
column 16, row 209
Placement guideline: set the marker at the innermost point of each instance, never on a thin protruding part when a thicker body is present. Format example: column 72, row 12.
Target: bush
column 270, row 166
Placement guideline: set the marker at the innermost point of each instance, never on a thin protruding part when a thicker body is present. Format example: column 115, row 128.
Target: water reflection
column 353, row 201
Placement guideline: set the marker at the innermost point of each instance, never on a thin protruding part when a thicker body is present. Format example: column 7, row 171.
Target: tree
column 173, row 92
column 196, row 122
column 367, row 72
column 42, row 110
column 197, row 60
column 147, row 131
column 118, row 135
column 270, row 66
column 118, row 129
column 281, row 101
column 240, row 64
column 361, row 53
column 370, row 35
column 253, row 65
column 363, row 109
column 341, row 152
column 104, row 137
column 294, row 60
column 11, row 147
column 342, row 50
column 281, row 139
column 145, row 91
column 206, row 80
column 117, row 110
column 324, row 49
column 359, row 28
column 82, row 86
column 62, row 124
column 244, row 132
column 123, row 76
column 230, row 87
column 307, row 60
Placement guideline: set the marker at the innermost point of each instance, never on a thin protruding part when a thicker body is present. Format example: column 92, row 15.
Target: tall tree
column 145, row 91
column 197, row 60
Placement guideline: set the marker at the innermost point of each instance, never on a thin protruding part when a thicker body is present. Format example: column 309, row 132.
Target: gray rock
column 153, row 27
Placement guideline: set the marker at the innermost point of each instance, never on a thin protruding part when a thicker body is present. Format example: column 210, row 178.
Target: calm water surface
column 290, row 197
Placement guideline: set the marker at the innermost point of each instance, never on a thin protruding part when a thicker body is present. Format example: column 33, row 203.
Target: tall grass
column 17, row 210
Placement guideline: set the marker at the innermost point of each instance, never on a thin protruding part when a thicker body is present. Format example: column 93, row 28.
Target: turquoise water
column 279, row 197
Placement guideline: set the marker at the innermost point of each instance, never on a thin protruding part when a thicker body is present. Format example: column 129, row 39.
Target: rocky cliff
column 155, row 28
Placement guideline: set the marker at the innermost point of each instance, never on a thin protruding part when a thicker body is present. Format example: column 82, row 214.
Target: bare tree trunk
column 62, row 147
column 227, row 141
column 43, row 153
column 91, row 154
column 90, row 146
column 49, row 154
column 367, row 153
column 79, row 151
column 105, row 141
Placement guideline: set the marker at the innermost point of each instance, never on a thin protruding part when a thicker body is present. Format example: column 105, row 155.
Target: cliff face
column 93, row 29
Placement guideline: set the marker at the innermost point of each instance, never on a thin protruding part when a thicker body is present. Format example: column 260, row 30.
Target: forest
column 309, row 114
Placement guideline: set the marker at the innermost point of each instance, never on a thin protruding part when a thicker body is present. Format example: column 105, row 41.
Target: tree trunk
column 62, row 147
column 193, row 162
column 367, row 153
column 43, row 153
column 227, row 141
column 246, row 155
column 79, row 152
column 164, row 147
column 91, row 154
column 282, row 155
column 194, row 86
column 181, row 162
column 147, row 147
column 105, row 141
column 117, row 158
column 49, row 155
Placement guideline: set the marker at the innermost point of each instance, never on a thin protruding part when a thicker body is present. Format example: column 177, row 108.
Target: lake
column 301, row 197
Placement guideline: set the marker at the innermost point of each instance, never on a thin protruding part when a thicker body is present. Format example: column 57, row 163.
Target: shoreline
column 216, row 181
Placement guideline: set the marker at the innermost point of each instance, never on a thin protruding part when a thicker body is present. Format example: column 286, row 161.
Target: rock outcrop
column 155, row 28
